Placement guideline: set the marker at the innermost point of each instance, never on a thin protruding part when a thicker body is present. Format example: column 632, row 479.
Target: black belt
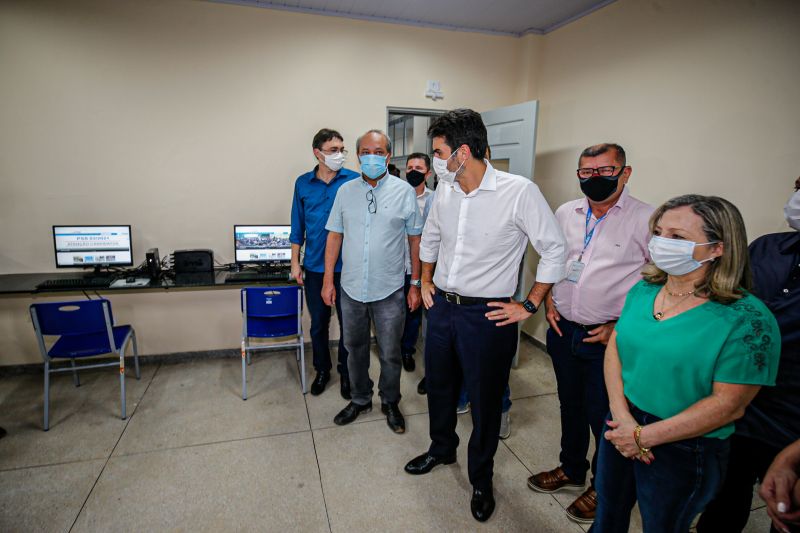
column 455, row 298
column 584, row 327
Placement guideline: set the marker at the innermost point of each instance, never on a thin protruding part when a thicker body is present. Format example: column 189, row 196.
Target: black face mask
column 599, row 188
column 415, row 177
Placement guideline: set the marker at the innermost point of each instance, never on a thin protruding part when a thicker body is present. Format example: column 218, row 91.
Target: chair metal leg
column 248, row 358
column 46, row 395
column 136, row 356
column 75, row 379
column 303, row 365
column 122, row 385
column 244, row 375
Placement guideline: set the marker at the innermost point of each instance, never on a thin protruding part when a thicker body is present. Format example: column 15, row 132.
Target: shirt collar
column 583, row 207
column 377, row 185
column 790, row 245
column 489, row 180
column 313, row 174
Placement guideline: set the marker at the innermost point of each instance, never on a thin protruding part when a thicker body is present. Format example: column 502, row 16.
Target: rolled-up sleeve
column 413, row 216
column 298, row 232
column 534, row 217
column 335, row 219
column 431, row 237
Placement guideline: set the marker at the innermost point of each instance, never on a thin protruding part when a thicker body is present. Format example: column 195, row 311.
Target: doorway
column 407, row 128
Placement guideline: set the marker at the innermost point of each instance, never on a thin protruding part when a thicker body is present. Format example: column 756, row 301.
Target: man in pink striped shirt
column 607, row 234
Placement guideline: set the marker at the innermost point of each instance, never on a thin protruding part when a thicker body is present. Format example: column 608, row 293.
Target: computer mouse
column 130, row 280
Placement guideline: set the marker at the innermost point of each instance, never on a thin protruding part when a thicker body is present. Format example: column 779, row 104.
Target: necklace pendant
column 658, row 316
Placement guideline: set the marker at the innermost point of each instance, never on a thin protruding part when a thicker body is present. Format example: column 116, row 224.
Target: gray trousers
column 388, row 316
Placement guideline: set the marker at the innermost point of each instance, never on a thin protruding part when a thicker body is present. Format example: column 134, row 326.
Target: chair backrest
column 271, row 311
column 72, row 318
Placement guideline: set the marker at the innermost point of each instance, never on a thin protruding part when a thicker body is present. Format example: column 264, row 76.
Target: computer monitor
column 262, row 244
column 92, row 246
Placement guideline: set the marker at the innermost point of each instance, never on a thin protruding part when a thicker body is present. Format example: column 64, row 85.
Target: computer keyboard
column 75, row 283
column 252, row 277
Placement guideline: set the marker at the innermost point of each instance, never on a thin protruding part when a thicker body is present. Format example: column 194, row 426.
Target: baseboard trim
column 536, row 342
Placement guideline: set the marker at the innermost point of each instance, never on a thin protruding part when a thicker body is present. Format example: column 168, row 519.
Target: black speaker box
column 193, row 261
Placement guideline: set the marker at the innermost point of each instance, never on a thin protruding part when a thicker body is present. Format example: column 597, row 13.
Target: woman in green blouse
column 690, row 351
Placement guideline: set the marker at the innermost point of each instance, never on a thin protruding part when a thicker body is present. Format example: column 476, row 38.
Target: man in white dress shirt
column 475, row 236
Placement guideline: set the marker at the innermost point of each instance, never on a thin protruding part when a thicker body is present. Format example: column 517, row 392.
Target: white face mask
column 440, row 167
column 792, row 211
column 334, row 161
column 675, row 257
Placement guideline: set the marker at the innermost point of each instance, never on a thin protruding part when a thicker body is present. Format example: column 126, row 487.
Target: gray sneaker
column 505, row 426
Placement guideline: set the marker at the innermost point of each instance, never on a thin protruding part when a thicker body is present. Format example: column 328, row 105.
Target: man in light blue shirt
column 370, row 220
column 314, row 193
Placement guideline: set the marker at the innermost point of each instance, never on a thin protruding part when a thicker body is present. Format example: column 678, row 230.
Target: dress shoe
column 344, row 387
column 408, row 362
column 551, row 481
column 350, row 413
column 422, row 388
column 425, row 463
column 482, row 504
column 394, row 418
column 582, row 509
column 318, row 386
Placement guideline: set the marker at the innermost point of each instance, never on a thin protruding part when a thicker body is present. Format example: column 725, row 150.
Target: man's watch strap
column 530, row 306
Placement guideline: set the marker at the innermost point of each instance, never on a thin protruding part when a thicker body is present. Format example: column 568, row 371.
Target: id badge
column 575, row 271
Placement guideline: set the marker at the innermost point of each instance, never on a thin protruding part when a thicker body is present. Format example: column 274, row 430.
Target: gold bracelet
column 637, row 434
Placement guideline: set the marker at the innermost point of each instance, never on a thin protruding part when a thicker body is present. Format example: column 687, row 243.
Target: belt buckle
column 452, row 297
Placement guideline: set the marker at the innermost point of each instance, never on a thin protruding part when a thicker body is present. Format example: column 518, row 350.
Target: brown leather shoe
column 551, row 481
column 582, row 510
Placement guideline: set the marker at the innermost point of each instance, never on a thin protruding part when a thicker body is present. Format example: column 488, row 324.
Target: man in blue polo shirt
column 370, row 221
column 314, row 193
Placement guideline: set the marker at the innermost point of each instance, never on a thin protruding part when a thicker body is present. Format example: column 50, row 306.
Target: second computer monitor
column 262, row 244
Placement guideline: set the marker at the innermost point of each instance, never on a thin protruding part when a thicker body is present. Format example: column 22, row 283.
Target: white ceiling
column 503, row 17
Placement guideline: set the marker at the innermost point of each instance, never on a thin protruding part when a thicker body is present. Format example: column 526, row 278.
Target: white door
column 512, row 140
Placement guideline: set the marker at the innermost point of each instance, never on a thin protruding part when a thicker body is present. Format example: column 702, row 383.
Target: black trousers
column 462, row 341
column 730, row 509
column 320, row 323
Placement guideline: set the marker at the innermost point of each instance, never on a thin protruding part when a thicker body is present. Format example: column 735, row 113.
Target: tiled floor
column 193, row 456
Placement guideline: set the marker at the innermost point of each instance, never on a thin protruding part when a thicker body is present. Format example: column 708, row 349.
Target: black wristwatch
column 530, row 306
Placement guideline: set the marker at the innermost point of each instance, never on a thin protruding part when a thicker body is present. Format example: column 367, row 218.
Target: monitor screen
column 262, row 244
column 90, row 246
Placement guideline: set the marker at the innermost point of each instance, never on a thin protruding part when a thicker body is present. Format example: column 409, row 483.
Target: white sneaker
column 462, row 409
column 505, row 426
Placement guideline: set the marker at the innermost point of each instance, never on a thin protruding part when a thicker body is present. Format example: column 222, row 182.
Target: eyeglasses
column 372, row 206
column 335, row 151
column 605, row 172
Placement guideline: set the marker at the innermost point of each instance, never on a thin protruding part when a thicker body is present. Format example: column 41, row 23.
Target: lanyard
column 588, row 234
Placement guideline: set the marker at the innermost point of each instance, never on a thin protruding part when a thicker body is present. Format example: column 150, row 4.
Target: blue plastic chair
column 84, row 328
column 269, row 312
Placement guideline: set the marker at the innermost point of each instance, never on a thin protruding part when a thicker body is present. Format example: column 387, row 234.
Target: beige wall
column 130, row 111
column 183, row 118
column 703, row 95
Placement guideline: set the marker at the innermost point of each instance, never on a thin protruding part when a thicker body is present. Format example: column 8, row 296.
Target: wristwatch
column 416, row 283
column 530, row 306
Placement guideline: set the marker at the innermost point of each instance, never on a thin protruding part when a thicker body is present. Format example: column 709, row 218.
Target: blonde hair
column 728, row 276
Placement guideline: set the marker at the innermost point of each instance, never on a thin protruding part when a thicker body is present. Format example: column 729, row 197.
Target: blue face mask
column 373, row 166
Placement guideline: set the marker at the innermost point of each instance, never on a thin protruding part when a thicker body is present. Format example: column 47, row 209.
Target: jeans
column 461, row 341
column 671, row 491
column 408, row 345
column 730, row 510
column 320, row 323
column 463, row 398
column 582, row 394
column 388, row 316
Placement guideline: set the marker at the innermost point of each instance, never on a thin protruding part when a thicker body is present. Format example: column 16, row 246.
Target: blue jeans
column 581, row 393
column 463, row 399
column 320, row 323
column 408, row 345
column 671, row 491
